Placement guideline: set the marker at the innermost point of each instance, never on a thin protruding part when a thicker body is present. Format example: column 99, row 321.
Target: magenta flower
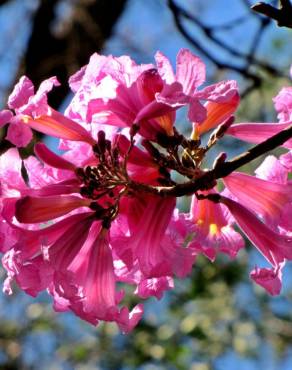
column 266, row 198
column 117, row 92
column 269, row 278
column 212, row 229
column 32, row 111
column 257, row 132
column 104, row 212
column 272, row 245
column 190, row 74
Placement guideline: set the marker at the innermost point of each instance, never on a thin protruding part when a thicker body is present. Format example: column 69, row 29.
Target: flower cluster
column 104, row 212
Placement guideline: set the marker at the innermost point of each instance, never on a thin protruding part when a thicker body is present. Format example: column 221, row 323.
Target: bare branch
column 283, row 15
column 207, row 179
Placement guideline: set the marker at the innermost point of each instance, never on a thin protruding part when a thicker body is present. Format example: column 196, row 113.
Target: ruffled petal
column 190, row 71
column 5, row 117
column 18, row 134
column 21, row 93
column 269, row 278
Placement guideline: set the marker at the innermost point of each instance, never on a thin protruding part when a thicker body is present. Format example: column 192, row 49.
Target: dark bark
column 283, row 15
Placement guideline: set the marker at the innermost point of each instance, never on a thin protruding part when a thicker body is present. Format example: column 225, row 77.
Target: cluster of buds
column 104, row 211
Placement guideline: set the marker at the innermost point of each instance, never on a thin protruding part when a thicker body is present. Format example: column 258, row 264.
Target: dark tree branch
column 283, row 15
column 210, row 32
column 256, row 80
column 224, row 169
column 251, row 64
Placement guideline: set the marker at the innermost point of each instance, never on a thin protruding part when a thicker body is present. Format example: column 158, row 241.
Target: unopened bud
column 221, row 158
column 221, row 129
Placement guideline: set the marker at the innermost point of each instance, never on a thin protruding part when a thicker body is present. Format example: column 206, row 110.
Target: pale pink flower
column 190, row 74
column 286, row 160
column 283, row 104
column 273, row 169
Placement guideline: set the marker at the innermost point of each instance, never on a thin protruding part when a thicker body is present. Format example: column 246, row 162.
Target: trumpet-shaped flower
column 211, row 229
column 266, row 198
column 276, row 248
column 104, row 212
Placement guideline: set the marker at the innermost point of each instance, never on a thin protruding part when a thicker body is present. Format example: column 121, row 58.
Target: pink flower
column 78, row 224
column 12, row 186
column 190, row 74
column 87, row 281
column 212, row 229
column 24, row 102
column 156, row 253
column 217, row 113
column 286, row 160
column 273, row 169
column 257, row 132
column 273, row 246
column 5, row 117
column 117, row 92
column 266, row 198
column 24, row 263
column 113, row 90
column 283, row 104
column 269, row 278
column 33, row 111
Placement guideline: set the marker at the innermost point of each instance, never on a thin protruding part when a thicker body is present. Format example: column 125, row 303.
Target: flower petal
column 258, row 132
column 57, row 125
column 269, row 278
column 190, row 71
column 274, row 247
column 39, row 209
column 5, row 117
column 21, row 93
column 18, row 134
column 52, row 159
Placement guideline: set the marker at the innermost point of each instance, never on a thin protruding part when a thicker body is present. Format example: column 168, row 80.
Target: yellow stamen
column 195, row 133
column 213, row 229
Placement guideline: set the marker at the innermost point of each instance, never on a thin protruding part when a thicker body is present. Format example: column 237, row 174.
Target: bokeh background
column 217, row 318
